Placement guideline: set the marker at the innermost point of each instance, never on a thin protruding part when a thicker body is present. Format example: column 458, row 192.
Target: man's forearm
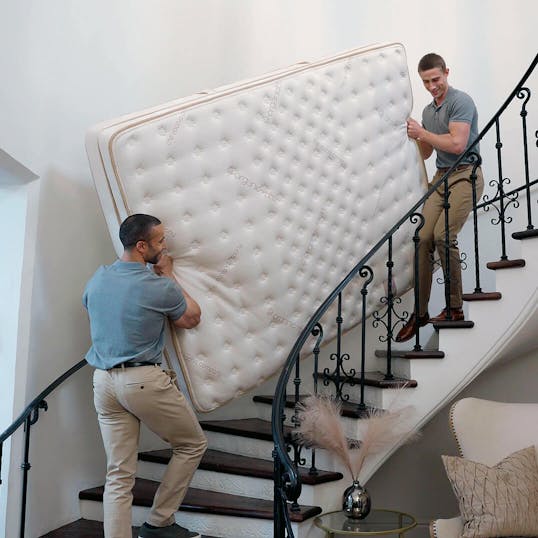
column 444, row 142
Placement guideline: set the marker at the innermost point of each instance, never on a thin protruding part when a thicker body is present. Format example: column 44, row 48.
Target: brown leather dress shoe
column 456, row 313
column 410, row 328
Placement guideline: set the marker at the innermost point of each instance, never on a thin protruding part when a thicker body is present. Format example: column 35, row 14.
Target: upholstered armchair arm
column 446, row 528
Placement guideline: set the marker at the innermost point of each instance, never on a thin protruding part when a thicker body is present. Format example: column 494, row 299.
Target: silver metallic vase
column 357, row 501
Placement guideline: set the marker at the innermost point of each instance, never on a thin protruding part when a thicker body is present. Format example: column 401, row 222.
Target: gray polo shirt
column 457, row 106
column 128, row 305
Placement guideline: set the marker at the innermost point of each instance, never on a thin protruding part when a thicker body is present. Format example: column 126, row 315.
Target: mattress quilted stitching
column 270, row 195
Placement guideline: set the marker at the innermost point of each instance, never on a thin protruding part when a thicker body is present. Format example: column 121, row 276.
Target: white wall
column 19, row 190
column 75, row 63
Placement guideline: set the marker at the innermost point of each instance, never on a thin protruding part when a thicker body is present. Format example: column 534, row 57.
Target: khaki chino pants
column 123, row 398
column 432, row 234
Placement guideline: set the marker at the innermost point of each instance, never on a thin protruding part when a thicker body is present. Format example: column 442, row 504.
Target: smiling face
column 436, row 82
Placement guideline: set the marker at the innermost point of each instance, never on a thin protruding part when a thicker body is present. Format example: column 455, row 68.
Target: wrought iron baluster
column 525, row 94
column 390, row 308
column 499, row 146
column 297, row 449
column 339, row 321
column 505, row 201
column 31, row 419
column 279, row 503
column 367, row 273
column 477, row 162
column 339, row 376
column 521, row 95
column 317, row 331
column 414, row 218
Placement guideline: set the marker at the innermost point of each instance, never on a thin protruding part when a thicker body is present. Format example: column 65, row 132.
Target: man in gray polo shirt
column 449, row 125
column 128, row 305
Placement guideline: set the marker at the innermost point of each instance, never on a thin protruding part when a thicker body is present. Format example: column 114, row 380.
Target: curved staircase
column 232, row 492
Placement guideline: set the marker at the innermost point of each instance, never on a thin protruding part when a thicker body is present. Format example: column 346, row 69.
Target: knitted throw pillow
column 497, row 501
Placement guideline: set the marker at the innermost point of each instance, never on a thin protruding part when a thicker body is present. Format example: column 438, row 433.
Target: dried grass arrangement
column 320, row 426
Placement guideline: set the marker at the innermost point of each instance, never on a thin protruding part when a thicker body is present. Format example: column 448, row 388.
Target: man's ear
column 141, row 246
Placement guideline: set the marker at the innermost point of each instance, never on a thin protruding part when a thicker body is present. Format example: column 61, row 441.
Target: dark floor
column 84, row 528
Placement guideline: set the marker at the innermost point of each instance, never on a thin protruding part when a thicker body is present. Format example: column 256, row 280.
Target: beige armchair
column 487, row 432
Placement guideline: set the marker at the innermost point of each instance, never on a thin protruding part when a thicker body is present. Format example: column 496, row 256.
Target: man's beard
column 154, row 259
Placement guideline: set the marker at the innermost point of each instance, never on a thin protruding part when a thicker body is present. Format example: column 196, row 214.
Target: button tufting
column 223, row 196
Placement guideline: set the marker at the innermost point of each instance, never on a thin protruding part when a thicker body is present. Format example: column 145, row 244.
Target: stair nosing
column 238, row 506
column 248, row 466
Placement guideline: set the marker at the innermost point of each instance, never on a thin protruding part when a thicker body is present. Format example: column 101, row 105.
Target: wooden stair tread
column 203, row 501
column 525, row 234
column 348, row 409
column 505, row 264
column 411, row 354
column 377, row 379
column 86, row 528
column 253, row 428
column 463, row 324
column 224, row 462
column 482, row 296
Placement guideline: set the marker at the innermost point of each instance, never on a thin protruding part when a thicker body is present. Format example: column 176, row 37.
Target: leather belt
column 457, row 169
column 132, row 364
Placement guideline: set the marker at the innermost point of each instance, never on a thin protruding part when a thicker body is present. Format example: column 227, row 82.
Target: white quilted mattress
column 270, row 190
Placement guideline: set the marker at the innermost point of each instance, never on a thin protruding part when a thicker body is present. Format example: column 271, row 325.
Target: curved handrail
column 29, row 417
column 293, row 486
column 36, row 403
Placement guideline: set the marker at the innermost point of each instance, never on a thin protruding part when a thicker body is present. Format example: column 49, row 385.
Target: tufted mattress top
column 270, row 190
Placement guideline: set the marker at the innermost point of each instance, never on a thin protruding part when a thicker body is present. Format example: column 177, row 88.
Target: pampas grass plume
column 320, row 425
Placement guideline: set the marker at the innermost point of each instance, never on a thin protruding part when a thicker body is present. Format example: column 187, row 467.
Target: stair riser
column 400, row 367
column 242, row 446
column 373, row 396
column 259, row 488
column 257, row 448
column 208, row 524
column 246, row 486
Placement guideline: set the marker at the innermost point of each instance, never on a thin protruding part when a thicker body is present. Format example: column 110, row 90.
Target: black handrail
column 29, row 417
column 288, row 480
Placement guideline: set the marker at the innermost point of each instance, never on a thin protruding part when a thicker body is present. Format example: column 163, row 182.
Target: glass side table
column 378, row 522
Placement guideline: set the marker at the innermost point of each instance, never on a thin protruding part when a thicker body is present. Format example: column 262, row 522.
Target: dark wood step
column 482, row 296
column 525, row 234
column 210, row 502
column 425, row 354
column 411, row 354
column 252, row 428
column 86, row 528
column 377, row 379
column 224, row 462
column 348, row 409
column 505, row 264
column 463, row 324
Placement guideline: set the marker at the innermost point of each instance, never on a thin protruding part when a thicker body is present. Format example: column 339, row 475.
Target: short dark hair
column 136, row 228
column 431, row 61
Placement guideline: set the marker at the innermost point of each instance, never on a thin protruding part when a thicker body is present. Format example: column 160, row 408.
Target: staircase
column 232, row 491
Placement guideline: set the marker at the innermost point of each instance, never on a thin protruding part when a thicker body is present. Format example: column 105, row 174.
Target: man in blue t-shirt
column 128, row 305
column 450, row 126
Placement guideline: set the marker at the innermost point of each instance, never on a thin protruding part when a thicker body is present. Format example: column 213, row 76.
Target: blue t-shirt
column 457, row 106
column 127, row 305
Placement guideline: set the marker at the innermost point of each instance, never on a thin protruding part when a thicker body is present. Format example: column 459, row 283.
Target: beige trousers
column 432, row 234
column 123, row 398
